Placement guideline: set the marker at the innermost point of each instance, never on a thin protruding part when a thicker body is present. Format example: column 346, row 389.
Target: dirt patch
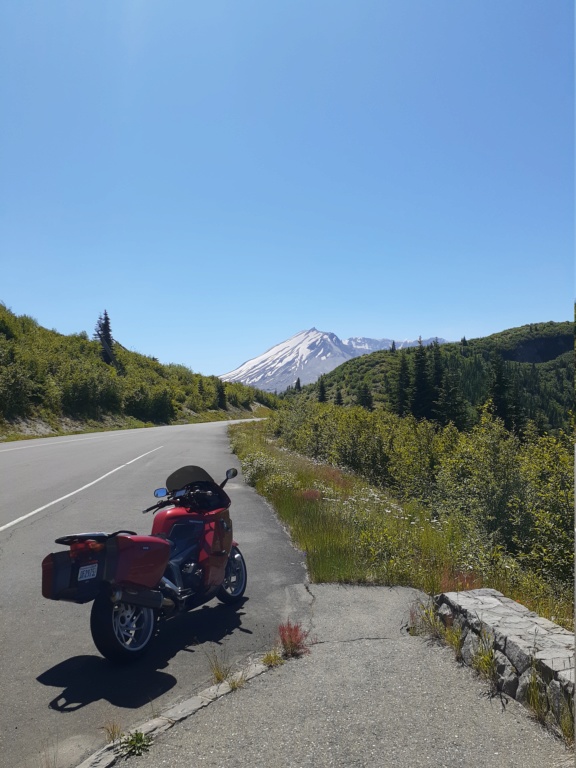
column 26, row 428
column 20, row 429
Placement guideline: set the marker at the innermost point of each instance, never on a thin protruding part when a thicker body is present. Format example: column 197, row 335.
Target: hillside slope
column 47, row 375
column 528, row 371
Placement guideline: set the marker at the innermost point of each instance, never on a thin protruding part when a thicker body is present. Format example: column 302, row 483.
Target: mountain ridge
column 307, row 355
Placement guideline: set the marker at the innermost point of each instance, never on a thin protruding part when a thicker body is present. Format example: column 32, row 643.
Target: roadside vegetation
column 374, row 498
column 74, row 383
column 441, row 467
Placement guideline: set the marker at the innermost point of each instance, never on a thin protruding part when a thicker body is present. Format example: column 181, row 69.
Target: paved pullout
column 368, row 694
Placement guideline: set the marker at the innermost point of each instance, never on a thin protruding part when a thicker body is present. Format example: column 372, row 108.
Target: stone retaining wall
column 528, row 650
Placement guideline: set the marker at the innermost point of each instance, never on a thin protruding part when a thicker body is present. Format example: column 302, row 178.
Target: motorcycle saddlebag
column 136, row 561
column 76, row 575
column 74, row 580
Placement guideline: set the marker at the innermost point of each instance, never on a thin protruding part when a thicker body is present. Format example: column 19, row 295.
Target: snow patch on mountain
column 305, row 356
column 364, row 346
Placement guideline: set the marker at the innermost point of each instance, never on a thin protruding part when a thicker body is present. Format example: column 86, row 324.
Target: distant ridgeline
column 45, row 374
column 527, row 373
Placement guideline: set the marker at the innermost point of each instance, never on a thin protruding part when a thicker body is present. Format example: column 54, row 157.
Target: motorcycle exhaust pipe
column 148, row 598
column 170, row 602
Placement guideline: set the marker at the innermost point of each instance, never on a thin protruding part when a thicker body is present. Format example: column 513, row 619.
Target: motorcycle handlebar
column 159, row 505
column 167, row 502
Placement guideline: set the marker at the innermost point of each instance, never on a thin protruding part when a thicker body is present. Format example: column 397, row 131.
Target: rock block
column 507, row 675
column 525, row 644
column 470, row 648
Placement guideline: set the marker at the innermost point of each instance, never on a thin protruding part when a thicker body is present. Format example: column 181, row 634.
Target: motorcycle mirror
column 160, row 493
column 180, row 493
column 230, row 473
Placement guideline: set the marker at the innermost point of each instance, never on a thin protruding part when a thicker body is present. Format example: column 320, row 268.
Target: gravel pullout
column 368, row 694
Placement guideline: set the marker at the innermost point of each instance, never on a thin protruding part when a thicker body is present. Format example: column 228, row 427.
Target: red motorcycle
column 189, row 558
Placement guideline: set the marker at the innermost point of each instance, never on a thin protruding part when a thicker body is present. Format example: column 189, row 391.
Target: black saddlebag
column 77, row 581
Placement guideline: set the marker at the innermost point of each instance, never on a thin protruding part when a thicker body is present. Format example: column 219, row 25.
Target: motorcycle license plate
column 86, row 572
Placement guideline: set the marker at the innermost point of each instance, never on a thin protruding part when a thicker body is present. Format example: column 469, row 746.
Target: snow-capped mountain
column 305, row 356
column 364, row 346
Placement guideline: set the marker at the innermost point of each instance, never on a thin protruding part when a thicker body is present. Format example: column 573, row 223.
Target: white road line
column 46, row 442
column 40, row 509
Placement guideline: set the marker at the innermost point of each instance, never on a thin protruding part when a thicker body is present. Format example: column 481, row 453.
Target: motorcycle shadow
column 87, row 679
column 189, row 631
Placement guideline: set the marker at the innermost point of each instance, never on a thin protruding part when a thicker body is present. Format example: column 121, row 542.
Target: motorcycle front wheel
column 235, row 578
column 122, row 632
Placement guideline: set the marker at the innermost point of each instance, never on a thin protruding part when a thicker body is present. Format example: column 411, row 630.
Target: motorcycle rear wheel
column 122, row 632
column 235, row 578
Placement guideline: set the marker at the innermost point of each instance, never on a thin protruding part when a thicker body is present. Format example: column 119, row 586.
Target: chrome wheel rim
column 133, row 625
column 235, row 577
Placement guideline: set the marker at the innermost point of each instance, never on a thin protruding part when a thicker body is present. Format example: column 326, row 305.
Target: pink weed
column 294, row 639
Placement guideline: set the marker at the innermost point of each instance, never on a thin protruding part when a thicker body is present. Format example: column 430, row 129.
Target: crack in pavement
column 353, row 640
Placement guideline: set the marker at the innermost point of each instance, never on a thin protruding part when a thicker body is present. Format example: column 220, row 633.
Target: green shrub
column 516, row 496
column 353, row 532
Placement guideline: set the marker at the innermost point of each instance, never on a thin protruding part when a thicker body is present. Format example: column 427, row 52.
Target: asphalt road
column 58, row 694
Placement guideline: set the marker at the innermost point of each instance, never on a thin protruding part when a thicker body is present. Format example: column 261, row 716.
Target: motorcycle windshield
column 186, row 476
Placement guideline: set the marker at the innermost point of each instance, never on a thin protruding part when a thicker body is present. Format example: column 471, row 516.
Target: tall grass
column 355, row 533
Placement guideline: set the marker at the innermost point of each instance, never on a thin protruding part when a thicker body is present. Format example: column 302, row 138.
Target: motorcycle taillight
column 85, row 547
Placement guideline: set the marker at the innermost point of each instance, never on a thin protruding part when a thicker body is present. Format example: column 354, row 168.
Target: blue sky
column 221, row 175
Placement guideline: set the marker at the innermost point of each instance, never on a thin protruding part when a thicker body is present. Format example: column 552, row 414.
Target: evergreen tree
column 403, row 387
column 298, row 386
column 393, row 346
column 221, row 395
column 499, row 391
column 103, row 333
column 506, row 395
column 451, row 405
column 516, row 409
column 422, row 401
column 365, row 397
column 338, row 398
column 387, row 389
column 436, row 370
column 321, row 390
